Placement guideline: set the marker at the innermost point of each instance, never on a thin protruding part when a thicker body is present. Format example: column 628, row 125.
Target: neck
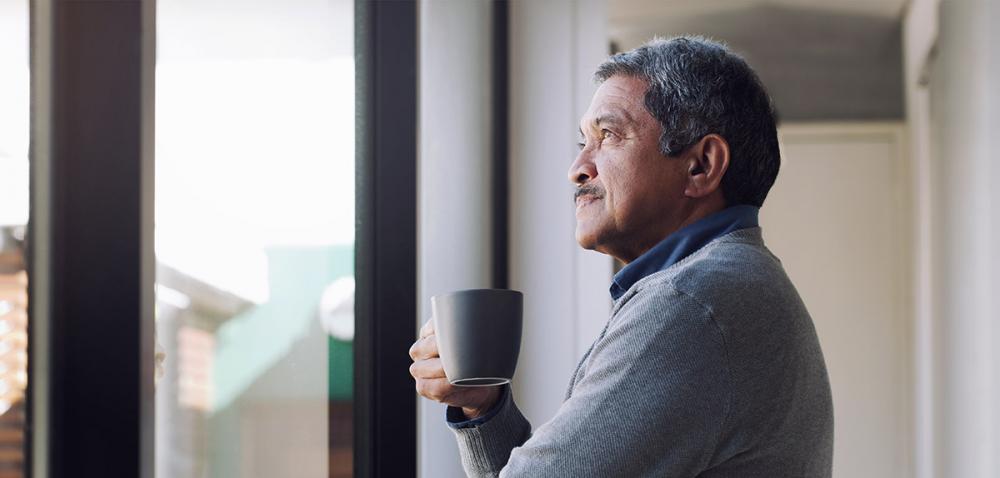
column 695, row 211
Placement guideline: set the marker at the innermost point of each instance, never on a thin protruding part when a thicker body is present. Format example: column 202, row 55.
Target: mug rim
column 477, row 291
column 458, row 381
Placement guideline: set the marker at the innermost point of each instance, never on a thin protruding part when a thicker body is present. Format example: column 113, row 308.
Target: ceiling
column 630, row 11
column 820, row 60
column 635, row 19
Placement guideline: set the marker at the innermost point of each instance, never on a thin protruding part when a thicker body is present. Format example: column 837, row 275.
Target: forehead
column 619, row 97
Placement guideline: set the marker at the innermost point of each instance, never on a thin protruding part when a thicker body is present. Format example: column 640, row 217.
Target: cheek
column 620, row 196
column 610, row 175
column 620, row 189
column 639, row 193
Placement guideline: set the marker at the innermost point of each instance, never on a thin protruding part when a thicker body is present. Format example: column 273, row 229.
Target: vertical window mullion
column 91, row 238
column 385, row 301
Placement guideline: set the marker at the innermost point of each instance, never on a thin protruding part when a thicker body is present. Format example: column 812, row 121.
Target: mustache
column 588, row 190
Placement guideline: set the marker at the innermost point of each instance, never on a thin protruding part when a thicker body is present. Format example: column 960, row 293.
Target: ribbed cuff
column 485, row 447
column 456, row 418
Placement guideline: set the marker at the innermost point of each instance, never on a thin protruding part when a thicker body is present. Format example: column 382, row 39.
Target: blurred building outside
column 254, row 238
column 13, row 218
column 213, row 386
column 13, row 350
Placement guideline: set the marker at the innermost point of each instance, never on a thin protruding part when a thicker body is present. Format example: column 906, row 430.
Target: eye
column 607, row 134
column 580, row 145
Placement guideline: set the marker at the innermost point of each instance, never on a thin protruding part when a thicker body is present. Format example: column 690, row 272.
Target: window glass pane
column 14, row 118
column 254, row 237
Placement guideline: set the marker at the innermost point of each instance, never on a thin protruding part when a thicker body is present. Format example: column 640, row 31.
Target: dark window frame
column 385, row 409
column 91, row 262
column 500, row 105
column 90, row 393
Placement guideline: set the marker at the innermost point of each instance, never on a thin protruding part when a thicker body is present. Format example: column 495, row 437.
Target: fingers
column 425, row 348
column 427, row 329
column 430, row 368
column 437, row 389
column 427, row 370
column 474, row 401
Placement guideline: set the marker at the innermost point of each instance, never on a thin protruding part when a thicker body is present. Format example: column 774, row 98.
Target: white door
column 837, row 219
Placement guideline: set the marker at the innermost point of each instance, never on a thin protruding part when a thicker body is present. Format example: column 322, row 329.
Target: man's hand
column 432, row 383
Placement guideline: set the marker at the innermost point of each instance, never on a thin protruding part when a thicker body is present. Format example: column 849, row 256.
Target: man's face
column 628, row 193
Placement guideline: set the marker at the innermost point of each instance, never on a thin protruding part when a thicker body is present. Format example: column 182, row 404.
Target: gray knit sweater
column 709, row 368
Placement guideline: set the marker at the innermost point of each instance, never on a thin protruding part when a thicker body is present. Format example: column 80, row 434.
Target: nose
column 583, row 169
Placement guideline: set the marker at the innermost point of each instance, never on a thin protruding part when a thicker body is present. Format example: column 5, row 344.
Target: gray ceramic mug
column 478, row 334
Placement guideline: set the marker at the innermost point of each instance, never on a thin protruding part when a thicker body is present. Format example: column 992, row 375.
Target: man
column 709, row 365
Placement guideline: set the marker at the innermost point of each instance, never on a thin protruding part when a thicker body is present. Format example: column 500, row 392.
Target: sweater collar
column 682, row 243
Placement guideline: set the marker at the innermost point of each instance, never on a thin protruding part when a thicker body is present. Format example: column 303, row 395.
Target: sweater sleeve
column 652, row 401
column 485, row 445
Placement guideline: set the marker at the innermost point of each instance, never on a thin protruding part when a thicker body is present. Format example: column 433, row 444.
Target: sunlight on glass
column 14, row 118
column 14, row 182
column 252, row 154
column 254, row 238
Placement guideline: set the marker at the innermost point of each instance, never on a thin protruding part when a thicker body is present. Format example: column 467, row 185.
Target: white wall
column 993, row 106
column 555, row 48
column 919, row 36
column 593, row 270
column 954, row 120
column 454, row 233
column 857, row 289
column 963, row 126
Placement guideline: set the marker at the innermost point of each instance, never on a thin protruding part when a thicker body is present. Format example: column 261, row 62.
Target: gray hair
column 698, row 87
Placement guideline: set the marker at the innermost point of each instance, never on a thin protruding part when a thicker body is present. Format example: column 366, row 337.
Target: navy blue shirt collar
column 682, row 243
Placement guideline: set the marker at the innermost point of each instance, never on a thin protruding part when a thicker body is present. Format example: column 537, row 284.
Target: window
column 254, row 238
column 14, row 98
column 242, row 259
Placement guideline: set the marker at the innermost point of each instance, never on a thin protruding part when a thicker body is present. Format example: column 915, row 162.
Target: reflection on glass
column 13, row 349
column 14, row 119
column 254, row 238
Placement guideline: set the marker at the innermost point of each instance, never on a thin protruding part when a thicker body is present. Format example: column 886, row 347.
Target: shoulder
column 661, row 315
column 658, row 295
column 733, row 268
column 734, row 281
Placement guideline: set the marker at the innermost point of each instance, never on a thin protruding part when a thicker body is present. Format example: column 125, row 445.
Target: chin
column 586, row 240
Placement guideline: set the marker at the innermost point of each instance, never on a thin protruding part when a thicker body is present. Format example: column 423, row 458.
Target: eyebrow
column 616, row 119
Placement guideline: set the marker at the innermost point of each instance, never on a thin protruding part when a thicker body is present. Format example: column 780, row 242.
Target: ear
column 707, row 160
